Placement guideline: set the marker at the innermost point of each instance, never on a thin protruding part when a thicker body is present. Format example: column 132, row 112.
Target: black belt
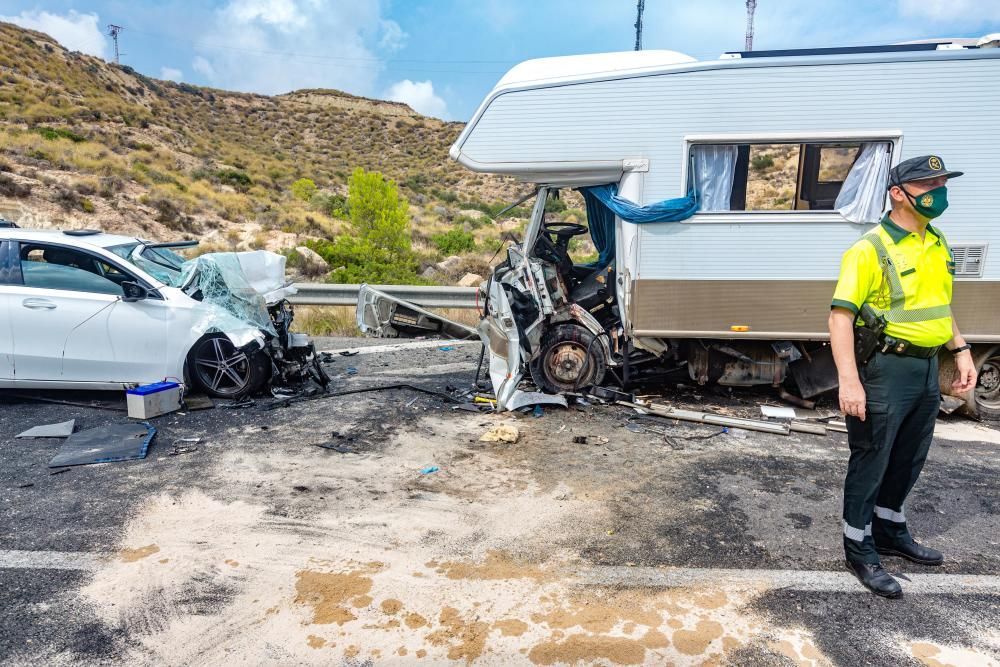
column 893, row 345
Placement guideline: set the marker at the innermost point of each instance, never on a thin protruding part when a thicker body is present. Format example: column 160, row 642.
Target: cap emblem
column 935, row 163
column 926, row 200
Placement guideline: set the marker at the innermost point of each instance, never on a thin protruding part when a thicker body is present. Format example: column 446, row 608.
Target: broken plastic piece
column 60, row 430
column 105, row 444
column 429, row 469
column 523, row 398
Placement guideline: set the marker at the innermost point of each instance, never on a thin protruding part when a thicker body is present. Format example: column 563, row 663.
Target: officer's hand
column 965, row 372
column 852, row 399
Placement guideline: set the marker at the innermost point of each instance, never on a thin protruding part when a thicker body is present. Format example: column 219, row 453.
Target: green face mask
column 930, row 204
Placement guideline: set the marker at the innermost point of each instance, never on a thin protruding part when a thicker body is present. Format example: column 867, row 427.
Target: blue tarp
column 603, row 203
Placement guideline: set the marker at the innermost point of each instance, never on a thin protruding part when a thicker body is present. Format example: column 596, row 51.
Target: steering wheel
column 561, row 232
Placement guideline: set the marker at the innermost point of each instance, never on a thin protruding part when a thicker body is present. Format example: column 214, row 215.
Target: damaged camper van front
column 532, row 315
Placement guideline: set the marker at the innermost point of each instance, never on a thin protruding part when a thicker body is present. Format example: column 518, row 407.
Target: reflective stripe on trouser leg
column 887, row 514
column 857, row 534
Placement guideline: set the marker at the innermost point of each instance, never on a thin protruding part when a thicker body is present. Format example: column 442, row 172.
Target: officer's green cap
column 918, row 169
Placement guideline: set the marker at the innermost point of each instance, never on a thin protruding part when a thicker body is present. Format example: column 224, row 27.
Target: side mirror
column 133, row 291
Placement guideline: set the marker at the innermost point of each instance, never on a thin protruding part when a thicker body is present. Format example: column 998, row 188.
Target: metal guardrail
column 330, row 294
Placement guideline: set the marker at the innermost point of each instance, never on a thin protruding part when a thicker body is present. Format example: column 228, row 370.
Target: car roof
column 99, row 239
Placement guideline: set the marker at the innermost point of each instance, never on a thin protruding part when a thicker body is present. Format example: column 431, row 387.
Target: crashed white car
column 87, row 310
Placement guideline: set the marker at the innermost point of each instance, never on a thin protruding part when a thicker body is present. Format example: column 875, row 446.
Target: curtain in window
column 862, row 198
column 713, row 168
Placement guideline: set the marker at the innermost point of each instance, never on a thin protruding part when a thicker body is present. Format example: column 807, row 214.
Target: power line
column 314, row 56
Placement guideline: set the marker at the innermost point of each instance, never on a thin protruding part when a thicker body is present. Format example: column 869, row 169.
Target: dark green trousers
column 888, row 451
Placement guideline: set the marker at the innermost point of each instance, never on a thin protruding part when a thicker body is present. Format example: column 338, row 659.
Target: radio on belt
column 152, row 400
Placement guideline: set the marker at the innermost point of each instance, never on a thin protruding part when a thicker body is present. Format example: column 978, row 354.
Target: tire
column 568, row 350
column 220, row 370
column 987, row 391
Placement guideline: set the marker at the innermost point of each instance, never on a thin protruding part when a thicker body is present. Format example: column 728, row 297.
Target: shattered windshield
column 161, row 263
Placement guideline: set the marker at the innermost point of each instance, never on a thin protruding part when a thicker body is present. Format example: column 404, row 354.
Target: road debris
column 501, row 433
column 429, row 470
column 195, row 402
column 60, row 430
column 777, row 412
column 105, row 444
column 152, row 400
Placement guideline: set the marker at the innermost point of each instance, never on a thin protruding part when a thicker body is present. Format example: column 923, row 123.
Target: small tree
column 378, row 213
column 304, row 189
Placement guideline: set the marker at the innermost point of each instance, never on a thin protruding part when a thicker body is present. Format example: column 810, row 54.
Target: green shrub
column 335, row 206
column 762, row 162
column 238, row 180
column 358, row 260
column 454, row 242
column 53, row 133
column 304, row 189
column 553, row 205
column 86, row 205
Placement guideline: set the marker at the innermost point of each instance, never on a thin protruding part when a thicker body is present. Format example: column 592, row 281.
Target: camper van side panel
column 771, row 271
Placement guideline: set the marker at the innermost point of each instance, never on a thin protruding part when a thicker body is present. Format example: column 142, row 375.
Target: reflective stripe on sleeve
column 888, row 515
column 856, row 534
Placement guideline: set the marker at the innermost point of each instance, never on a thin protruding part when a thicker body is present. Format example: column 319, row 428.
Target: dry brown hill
column 86, row 143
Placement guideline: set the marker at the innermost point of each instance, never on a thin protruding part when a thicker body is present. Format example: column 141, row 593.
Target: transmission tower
column 751, row 6
column 113, row 30
column 639, row 6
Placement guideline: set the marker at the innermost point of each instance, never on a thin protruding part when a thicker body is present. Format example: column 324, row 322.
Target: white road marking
column 395, row 347
column 799, row 580
column 650, row 577
column 51, row 560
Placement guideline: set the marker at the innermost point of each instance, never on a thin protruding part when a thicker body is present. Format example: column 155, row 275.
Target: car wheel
column 221, row 370
column 570, row 359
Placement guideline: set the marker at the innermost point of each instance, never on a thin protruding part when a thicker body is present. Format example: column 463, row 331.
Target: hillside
column 86, row 143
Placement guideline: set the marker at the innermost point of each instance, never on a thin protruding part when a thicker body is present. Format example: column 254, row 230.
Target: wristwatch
column 961, row 348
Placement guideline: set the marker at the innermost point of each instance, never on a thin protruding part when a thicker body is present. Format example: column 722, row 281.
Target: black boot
column 912, row 552
column 874, row 577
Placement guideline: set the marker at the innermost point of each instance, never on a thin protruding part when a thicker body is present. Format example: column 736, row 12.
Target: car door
column 7, row 278
column 58, row 315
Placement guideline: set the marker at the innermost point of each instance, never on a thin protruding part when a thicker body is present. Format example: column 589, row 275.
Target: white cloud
column 393, row 37
column 75, row 31
column 171, row 74
column 276, row 46
column 203, row 67
column 971, row 13
column 419, row 95
column 283, row 14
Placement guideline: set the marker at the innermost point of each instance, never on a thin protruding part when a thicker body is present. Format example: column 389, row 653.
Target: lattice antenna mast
column 639, row 6
column 751, row 6
column 113, row 30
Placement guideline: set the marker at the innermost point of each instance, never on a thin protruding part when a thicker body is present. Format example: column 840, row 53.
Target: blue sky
column 443, row 56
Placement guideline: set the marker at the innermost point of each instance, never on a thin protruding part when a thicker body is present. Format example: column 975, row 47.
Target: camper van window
column 781, row 176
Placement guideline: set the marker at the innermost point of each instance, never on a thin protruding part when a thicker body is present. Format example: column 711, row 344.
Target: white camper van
column 785, row 156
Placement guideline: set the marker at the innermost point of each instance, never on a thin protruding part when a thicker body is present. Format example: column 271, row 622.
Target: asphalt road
column 635, row 547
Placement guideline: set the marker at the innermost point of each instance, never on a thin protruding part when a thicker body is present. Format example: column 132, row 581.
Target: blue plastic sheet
column 603, row 203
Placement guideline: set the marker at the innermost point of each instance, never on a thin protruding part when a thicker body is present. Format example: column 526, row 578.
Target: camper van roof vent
column 785, row 53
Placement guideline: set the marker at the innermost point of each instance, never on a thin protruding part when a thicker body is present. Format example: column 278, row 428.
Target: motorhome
column 759, row 170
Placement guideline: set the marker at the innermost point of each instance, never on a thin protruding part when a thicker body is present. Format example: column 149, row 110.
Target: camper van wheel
column 987, row 390
column 570, row 359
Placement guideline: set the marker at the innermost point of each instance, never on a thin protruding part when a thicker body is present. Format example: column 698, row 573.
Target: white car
column 88, row 310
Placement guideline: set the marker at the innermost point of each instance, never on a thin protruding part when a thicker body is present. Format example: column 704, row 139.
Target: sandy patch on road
column 363, row 557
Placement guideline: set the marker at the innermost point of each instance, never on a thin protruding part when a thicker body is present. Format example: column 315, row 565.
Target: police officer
column 897, row 279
